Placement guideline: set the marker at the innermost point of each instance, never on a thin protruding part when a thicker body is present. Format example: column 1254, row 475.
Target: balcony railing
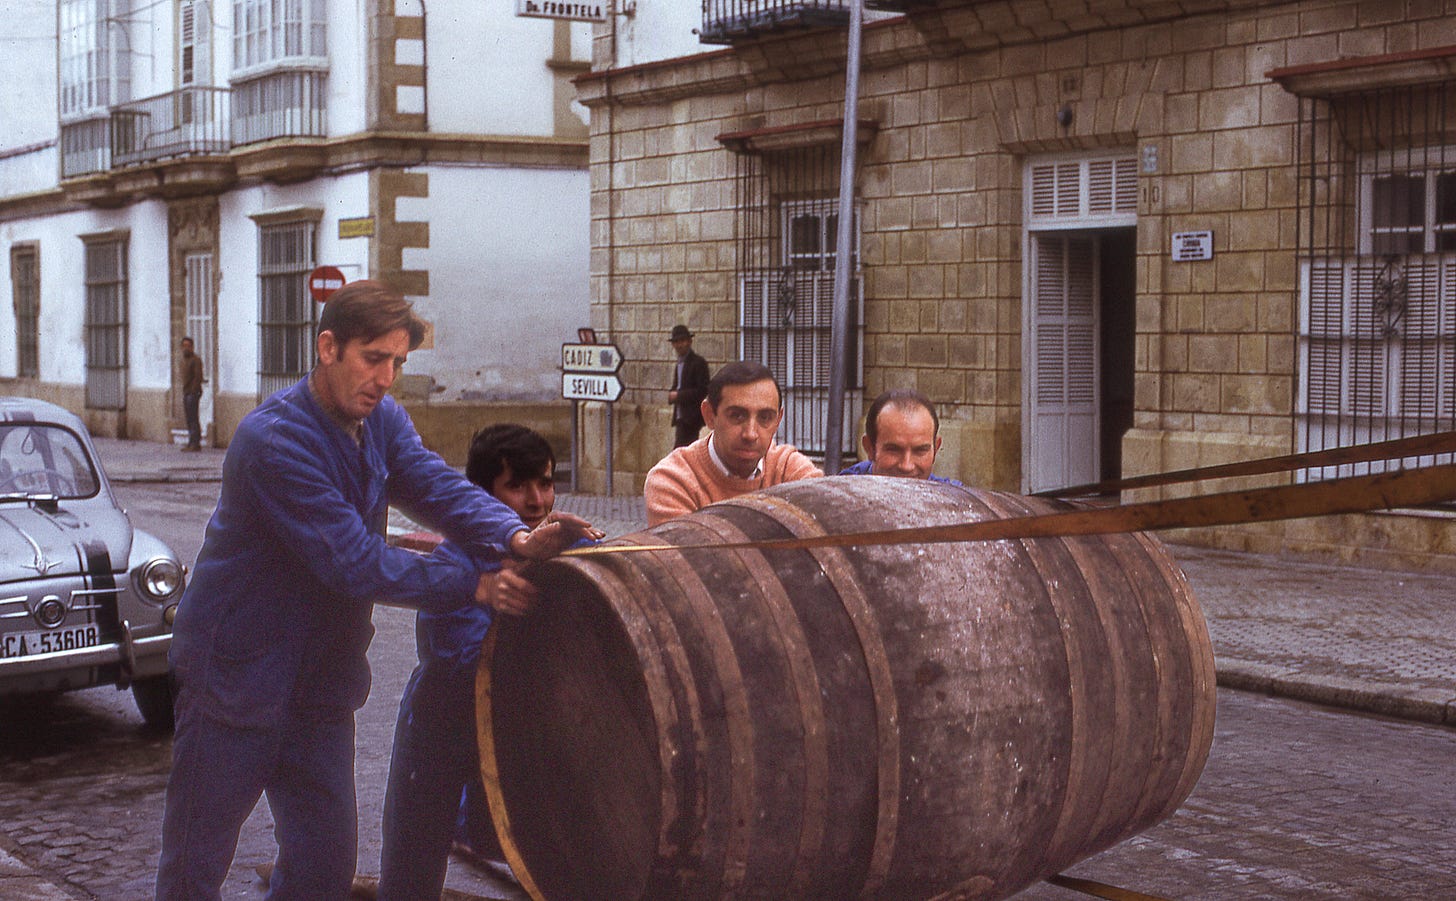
column 185, row 122
column 85, row 146
column 197, row 121
column 726, row 21
column 290, row 104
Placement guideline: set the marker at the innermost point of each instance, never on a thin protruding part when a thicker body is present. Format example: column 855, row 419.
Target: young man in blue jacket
column 270, row 639
column 435, row 754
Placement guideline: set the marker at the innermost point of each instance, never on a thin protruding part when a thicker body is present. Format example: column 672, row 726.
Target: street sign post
column 589, row 373
column 601, row 358
column 590, row 386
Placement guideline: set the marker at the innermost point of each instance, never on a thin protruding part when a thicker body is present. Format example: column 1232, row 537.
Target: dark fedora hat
column 679, row 332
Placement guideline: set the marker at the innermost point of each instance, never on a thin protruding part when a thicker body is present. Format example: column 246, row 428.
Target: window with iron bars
column 25, row 294
column 788, row 221
column 106, row 323
column 1377, row 330
column 285, row 309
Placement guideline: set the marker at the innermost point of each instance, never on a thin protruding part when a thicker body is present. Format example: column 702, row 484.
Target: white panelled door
column 1063, row 368
column 199, row 326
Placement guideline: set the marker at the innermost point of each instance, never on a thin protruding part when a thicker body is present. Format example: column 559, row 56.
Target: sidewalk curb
column 21, row 882
column 1398, row 703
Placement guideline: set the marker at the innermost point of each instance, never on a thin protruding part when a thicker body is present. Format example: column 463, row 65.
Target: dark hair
column 187, row 339
column 506, row 444
column 901, row 399
column 741, row 372
column 367, row 309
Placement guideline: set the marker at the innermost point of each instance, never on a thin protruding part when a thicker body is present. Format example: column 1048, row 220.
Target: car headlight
column 159, row 579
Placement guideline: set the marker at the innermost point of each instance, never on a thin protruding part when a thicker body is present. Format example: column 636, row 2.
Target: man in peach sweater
column 743, row 408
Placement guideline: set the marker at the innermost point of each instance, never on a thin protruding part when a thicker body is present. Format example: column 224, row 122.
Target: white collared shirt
column 723, row 468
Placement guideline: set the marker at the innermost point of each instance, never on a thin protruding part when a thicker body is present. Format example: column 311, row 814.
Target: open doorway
column 1081, row 347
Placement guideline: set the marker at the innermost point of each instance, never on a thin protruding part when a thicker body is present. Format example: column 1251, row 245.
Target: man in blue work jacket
column 271, row 635
column 902, row 437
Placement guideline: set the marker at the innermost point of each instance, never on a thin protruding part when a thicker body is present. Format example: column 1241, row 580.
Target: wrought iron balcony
column 187, row 122
column 86, row 146
column 285, row 104
column 728, row 21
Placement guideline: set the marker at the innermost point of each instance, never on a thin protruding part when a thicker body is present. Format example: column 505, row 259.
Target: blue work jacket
column 453, row 638
column 863, row 467
column 276, row 619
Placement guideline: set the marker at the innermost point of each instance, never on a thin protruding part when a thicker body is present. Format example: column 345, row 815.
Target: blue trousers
column 306, row 770
column 434, row 759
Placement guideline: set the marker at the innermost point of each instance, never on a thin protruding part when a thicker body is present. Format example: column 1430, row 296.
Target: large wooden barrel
column 905, row 721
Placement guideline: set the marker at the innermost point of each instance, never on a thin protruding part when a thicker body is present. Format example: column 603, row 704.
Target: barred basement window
column 106, row 323
column 285, row 310
column 25, row 294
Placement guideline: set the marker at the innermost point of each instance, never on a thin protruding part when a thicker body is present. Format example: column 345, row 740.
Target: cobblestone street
column 1296, row 801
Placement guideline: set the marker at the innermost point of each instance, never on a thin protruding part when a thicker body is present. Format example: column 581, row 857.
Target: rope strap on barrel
column 1418, row 446
column 1355, row 494
column 1100, row 889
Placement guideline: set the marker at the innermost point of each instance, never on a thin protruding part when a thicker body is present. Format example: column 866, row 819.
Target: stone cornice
column 928, row 29
column 39, row 203
column 288, row 160
column 1368, row 73
column 792, row 137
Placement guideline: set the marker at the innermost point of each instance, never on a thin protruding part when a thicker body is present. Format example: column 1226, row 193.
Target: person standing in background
column 192, row 395
column 689, row 387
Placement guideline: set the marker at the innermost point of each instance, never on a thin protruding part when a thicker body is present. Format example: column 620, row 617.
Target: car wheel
column 154, row 699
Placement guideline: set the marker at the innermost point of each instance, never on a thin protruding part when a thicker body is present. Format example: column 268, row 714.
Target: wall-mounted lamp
column 1064, row 116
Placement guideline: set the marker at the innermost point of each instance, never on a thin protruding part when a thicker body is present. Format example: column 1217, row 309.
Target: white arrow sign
column 590, row 358
column 590, row 386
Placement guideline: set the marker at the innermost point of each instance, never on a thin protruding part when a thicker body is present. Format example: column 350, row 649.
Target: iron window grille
column 25, row 293
column 788, row 216
column 1377, row 269
column 286, row 316
column 106, row 324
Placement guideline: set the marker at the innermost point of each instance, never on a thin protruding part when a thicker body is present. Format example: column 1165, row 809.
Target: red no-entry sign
column 323, row 281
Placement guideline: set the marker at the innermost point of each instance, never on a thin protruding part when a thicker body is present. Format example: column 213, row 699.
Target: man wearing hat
column 689, row 387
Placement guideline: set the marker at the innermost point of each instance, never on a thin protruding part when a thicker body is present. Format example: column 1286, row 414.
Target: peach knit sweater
column 687, row 479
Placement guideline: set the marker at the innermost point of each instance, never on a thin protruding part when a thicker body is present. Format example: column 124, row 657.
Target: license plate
column 70, row 638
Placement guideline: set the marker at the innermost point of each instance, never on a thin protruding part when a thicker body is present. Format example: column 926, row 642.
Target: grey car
column 85, row 598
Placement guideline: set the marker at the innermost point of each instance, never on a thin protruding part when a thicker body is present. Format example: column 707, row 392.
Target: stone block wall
column 963, row 95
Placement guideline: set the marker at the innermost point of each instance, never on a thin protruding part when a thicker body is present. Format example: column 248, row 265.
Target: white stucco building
column 179, row 167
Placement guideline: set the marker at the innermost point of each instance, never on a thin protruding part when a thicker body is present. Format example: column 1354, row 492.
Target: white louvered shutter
column 1064, row 367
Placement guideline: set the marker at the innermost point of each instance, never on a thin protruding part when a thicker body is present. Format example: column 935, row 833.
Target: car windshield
column 44, row 459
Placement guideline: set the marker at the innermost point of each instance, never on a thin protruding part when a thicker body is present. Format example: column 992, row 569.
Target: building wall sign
column 575, row 10
column 362, row 227
column 1190, row 246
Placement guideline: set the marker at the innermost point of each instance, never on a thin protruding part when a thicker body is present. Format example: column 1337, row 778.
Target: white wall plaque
column 1189, row 246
